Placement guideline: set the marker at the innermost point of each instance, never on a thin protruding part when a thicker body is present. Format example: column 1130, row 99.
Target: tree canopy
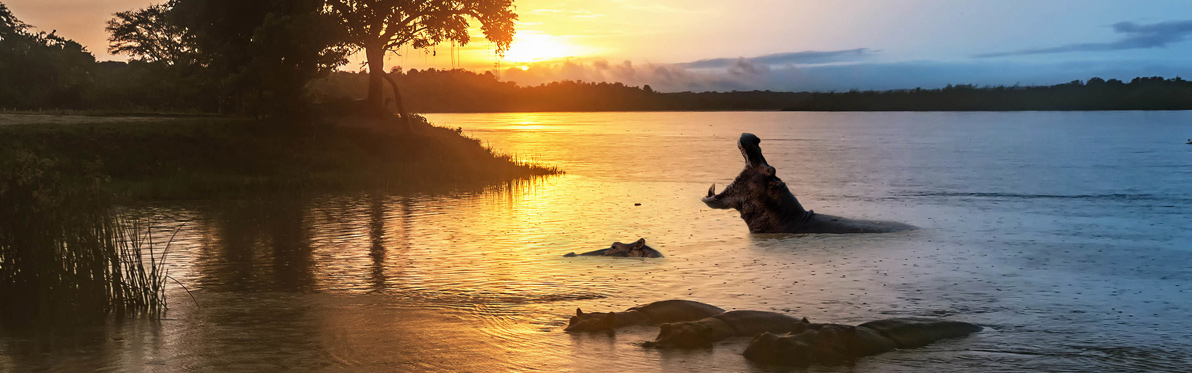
column 256, row 55
column 149, row 35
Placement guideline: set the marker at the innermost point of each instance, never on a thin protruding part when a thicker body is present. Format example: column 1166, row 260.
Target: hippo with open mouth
column 767, row 206
column 832, row 344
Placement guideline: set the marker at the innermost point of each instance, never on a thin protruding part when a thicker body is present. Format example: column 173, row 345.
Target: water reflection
column 475, row 280
column 376, row 234
column 260, row 245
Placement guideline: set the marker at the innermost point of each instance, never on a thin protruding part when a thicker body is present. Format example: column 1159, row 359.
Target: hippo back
column 822, row 223
column 752, row 323
column 915, row 332
column 677, row 310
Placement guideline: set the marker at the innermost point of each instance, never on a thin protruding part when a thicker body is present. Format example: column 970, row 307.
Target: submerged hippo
column 767, row 206
column 830, row 344
column 634, row 250
column 666, row 311
column 701, row 333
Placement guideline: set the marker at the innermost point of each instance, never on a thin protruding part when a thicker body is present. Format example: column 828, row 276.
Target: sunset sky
column 677, row 45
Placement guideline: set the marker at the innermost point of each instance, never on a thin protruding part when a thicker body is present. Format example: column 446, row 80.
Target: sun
column 528, row 47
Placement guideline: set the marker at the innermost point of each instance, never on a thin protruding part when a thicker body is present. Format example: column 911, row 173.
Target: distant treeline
column 433, row 90
column 1154, row 93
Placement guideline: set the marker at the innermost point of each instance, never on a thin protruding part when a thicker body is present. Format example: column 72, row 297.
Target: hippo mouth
column 748, row 144
column 715, row 201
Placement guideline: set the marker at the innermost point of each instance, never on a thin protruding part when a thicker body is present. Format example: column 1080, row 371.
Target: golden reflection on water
column 476, row 278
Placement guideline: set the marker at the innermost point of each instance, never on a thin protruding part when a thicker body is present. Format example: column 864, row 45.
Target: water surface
column 1066, row 234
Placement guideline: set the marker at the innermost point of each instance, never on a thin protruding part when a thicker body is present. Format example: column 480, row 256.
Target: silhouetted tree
column 258, row 53
column 379, row 26
column 39, row 69
column 150, row 35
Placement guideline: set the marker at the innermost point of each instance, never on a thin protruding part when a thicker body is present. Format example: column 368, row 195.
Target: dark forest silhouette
column 1142, row 93
column 434, row 90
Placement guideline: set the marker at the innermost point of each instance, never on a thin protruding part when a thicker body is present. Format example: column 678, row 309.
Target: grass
column 192, row 158
column 65, row 256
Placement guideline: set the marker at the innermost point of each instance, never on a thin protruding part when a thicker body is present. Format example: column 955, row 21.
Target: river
column 1068, row 235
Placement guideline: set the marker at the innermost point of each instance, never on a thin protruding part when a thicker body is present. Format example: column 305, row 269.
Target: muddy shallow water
column 1066, row 234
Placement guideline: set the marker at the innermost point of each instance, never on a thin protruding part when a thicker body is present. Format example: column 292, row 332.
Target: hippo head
column 683, row 335
column 761, row 197
column 591, row 321
column 826, row 344
column 635, row 249
column 779, row 349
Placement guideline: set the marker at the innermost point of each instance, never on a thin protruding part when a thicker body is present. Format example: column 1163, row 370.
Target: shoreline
column 166, row 158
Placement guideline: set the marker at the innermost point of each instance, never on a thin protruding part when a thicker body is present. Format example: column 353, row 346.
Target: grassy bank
column 185, row 158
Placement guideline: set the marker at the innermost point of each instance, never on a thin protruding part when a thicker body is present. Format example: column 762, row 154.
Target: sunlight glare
column 531, row 46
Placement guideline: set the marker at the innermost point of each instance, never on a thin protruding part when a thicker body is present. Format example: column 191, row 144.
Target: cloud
column 792, row 58
column 744, row 75
column 1136, row 36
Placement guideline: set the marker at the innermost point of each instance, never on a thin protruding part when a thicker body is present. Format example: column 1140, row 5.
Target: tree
column 258, row 55
column 10, row 27
column 40, row 69
column 379, row 26
column 149, row 35
column 263, row 51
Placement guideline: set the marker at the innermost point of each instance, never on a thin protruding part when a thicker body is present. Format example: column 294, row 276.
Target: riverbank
column 154, row 158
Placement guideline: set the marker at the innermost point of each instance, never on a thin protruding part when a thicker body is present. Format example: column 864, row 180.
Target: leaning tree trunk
column 376, row 74
column 401, row 109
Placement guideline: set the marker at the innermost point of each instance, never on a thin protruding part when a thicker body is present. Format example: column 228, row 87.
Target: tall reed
column 65, row 255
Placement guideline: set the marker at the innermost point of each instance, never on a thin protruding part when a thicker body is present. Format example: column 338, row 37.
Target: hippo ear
column 768, row 170
column 641, row 242
column 579, row 312
column 805, row 321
